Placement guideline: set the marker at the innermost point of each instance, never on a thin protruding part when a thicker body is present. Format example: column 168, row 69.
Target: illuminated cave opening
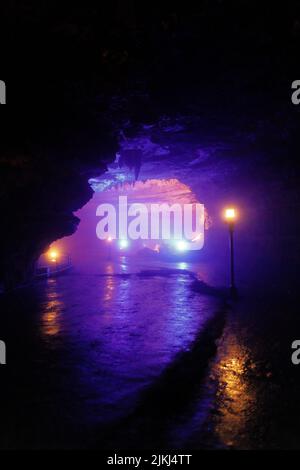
column 86, row 250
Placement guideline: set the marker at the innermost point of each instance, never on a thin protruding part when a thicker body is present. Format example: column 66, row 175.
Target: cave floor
column 126, row 357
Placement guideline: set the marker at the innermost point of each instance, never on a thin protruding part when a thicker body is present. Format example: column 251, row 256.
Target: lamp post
column 230, row 217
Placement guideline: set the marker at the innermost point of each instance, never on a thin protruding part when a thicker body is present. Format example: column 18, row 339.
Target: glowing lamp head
column 53, row 255
column 230, row 214
column 181, row 245
column 123, row 244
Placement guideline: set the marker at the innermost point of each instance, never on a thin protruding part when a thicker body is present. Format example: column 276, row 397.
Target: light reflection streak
column 109, row 283
column 52, row 309
column 235, row 397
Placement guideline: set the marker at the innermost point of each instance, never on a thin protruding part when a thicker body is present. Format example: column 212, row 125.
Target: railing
column 52, row 268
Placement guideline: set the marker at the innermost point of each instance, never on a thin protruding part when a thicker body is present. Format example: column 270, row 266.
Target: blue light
column 182, row 265
column 123, row 244
column 181, row 245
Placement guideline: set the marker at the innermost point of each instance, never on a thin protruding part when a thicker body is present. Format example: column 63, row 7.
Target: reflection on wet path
column 136, row 355
column 235, row 397
column 255, row 387
column 93, row 344
column 52, row 310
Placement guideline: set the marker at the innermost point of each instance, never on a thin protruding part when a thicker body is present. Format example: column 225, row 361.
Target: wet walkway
column 84, row 350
